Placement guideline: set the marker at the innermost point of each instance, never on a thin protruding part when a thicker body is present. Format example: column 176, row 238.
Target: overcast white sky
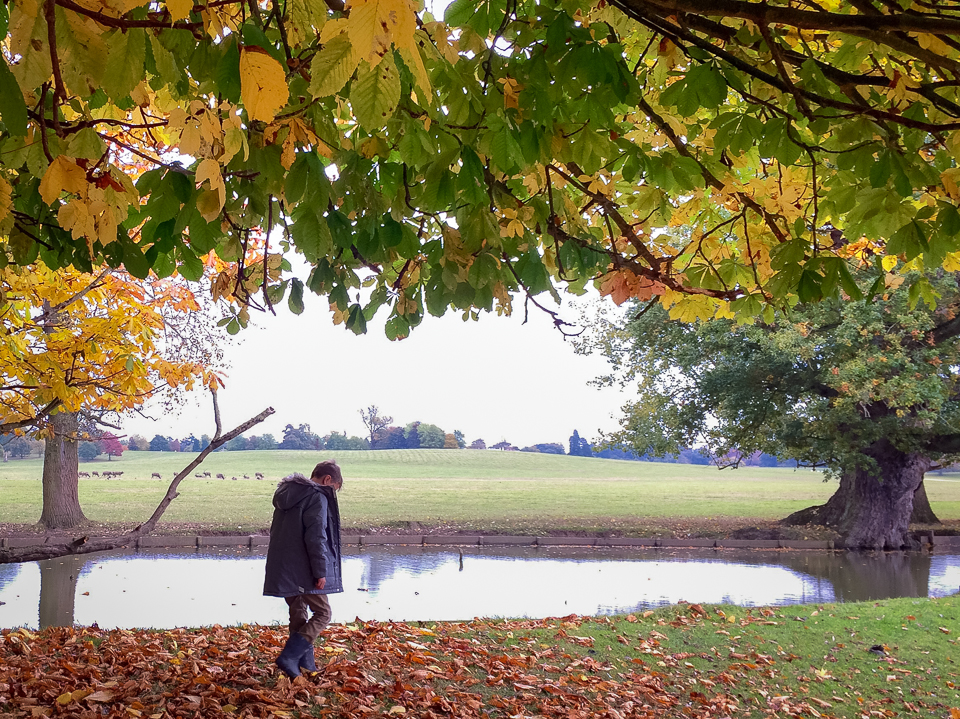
column 494, row 379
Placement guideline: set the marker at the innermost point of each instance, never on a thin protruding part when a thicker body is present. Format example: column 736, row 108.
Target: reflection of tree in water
column 862, row 576
column 8, row 573
column 829, row 576
column 58, row 588
column 381, row 565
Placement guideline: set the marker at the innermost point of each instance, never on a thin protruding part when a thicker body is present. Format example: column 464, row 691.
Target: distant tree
column 338, row 442
column 575, row 442
column 175, row 445
column 138, row 443
column 450, row 441
column 300, row 437
column 204, row 441
column 375, row 423
column 431, row 436
column 393, row 438
column 335, row 442
column 550, row 448
column 478, row 444
column 768, row 460
column 159, row 443
column 411, row 434
column 461, row 439
column 618, row 453
column 530, row 448
column 237, row 444
column 19, row 447
column 356, row 444
column 693, row 456
column 89, row 450
column 265, row 441
column 190, row 444
column 110, row 444
column 503, row 445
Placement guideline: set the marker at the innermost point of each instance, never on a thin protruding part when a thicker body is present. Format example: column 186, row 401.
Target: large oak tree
column 715, row 154
column 866, row 389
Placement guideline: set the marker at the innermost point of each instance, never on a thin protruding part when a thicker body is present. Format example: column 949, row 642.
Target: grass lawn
column 686, row 661
column 470, row 490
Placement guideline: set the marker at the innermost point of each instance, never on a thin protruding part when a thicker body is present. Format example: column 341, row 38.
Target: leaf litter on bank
column 684, row 661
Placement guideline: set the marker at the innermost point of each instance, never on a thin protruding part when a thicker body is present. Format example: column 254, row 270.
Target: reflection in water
column 163, row 589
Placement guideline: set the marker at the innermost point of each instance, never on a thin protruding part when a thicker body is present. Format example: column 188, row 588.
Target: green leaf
column 86, row 143
column 332, row 67
column 808, row 289
column 126, row 56
column 134, row 261
column 295, row 300
column 190, row 267
column 949, row 219
column 228, row 71
column 375, row 93
column 311, row 235
column 13, row 110
column 355, row 320
column 909, row 240
column 340, row 229
column 880, row 171
column 459, row 12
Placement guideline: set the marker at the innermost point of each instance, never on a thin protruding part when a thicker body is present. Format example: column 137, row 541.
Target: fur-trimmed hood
column 292, row 490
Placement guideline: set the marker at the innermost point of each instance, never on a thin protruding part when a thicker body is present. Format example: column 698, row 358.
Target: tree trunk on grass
column 874, row 512
column 61, row 464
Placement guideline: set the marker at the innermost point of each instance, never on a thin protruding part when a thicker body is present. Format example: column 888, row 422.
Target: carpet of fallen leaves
column 483, row 668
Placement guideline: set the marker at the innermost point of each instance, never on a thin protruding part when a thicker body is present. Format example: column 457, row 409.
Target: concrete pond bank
column 930, row 541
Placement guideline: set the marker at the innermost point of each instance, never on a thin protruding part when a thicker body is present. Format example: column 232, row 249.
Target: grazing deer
column 96, row 474
column 83, row 474
column 259, row 475
column 246, row 476
column 206, row 474
column 156, row 475
column 220, row 476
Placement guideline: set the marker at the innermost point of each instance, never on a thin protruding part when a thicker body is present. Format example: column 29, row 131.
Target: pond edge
column 258, row 540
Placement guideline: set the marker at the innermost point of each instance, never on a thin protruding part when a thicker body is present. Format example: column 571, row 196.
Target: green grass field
column 470, row 490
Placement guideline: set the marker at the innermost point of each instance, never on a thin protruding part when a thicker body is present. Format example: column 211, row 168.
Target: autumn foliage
column 718, row 157
column 73, row 340
column 686, row 661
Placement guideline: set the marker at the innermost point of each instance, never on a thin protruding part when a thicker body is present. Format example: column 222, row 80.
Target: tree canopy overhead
column 718, row 155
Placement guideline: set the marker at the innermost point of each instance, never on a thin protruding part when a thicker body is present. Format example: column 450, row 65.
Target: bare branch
column 82, row 545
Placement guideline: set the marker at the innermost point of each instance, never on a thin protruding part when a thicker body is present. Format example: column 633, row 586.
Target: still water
column 165, row 589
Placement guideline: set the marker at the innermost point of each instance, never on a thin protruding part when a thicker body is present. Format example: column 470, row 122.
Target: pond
column 165, row 589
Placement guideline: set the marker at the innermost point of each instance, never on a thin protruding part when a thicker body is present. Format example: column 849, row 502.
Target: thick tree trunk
column 61, row 464
column 870, row 510
column 832, row 513
column 922, row 511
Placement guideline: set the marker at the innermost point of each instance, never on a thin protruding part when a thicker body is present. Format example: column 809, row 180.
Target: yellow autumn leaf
column 951, row 263
column 179, row 9
column 263, row 84
column 63, row 175
column 889, row 262
column 5, row 199
column 372, row 25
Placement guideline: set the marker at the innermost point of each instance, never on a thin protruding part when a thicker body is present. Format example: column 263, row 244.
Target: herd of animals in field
column 156, row 475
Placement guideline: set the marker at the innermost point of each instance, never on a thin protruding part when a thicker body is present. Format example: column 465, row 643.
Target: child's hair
column 328, row 467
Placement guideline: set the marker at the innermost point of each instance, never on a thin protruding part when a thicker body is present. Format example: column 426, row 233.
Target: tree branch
column 82, row 545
